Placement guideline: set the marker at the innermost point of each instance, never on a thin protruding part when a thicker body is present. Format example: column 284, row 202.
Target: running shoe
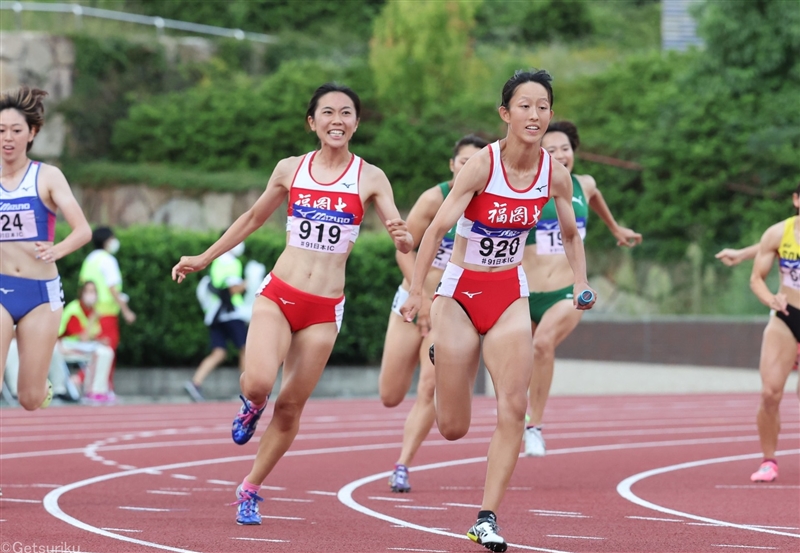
column 534, row 442
column 49, row 397
column 398, row 481
column 767, row 472
column 194, row 391
column 485, row 533
column 244, row 425
column 247, row 507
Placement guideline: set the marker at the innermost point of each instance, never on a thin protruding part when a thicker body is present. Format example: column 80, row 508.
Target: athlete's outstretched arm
column 625, row 236
column 251, row 220
column 418, row 221
column 561, row 190
column 731, row 256
column 387, row 210
column 767, row 252
column 470, row 181
column 61, row 195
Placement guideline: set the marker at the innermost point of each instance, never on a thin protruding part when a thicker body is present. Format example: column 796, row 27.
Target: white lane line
column 658, row 519
column 273, row 488
column 184, row 477
column 574, row 537
column 121, row 530
column 549, row 512
column 19, row 500
column 260, row 539
column 164, row 492
column 291, row 500
column 757, row 487
column 421, row 507
column 149, row 509
column 624, row 489
column 317, row 492
column 410, row 549
column 561, row 516
column 742, row 546
column 126, row 467
column 398, row 499
column 775, row 527
column 276, row 517
column 471, row 506
column 222, row 482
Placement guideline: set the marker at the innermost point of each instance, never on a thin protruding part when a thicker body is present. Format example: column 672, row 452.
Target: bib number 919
column 309, row 230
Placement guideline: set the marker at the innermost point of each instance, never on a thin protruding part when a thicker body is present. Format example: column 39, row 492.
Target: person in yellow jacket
column 225, row 314
column 80, row 339
column 102, row 268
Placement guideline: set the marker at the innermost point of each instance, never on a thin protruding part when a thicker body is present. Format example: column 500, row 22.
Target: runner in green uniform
column 550, row 279
column 407, row 345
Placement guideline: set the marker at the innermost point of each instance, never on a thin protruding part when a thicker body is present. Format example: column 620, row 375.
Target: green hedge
column 169, row 329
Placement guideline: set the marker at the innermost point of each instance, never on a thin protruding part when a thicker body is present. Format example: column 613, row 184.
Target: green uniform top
column 547, row 235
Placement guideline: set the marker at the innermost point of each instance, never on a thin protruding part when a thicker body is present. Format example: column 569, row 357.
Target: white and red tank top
column 324, row 217
column 497, row 221
column 23, row 214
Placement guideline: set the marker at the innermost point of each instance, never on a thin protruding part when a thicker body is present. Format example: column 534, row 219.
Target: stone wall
column 44, row 61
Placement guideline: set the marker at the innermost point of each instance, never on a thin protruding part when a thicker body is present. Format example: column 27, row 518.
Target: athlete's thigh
column 556, row 324
column 268, row 338
column 37, row 333
column 308, row 354
column 778, row 354
column 6, row 335
column 400, row 355
column 508, row 350
column 457, row 352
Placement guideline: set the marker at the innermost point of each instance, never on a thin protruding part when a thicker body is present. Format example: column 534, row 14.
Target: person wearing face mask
column 81, row 341
column 102, row 268
column 224, row 307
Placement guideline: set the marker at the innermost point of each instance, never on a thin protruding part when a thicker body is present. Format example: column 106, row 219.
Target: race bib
column 791, row 273
column 17, row 225
column 548, row 236
column 493, row 247
column 320, row 229
column 444, row 253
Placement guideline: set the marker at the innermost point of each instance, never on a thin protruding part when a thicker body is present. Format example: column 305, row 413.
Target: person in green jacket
column 225, row 315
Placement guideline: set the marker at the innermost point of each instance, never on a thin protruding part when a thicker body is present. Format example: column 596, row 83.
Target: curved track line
column 624, row 489
column 345, row 494
column 51, row 505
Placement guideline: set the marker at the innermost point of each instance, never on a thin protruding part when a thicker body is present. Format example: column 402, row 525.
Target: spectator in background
column 81, row 341
column 220, row 294
column 102, row 268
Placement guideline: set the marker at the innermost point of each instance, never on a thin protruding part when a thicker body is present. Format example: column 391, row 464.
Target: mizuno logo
column 14, row 207
column 348, row 184
column 285, row 302
column 303, row 214
column 539, row 188
column 3, row 290
column 471, row 295
column 26, row 188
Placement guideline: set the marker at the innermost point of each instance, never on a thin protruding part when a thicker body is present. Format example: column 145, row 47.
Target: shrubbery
column 169, row 330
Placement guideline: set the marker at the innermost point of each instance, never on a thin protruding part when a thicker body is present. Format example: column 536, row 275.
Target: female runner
column 407, row 345
column 30, row 289
column 550, row 277
column 496, row 200
column 779, row 345
column 298, row 312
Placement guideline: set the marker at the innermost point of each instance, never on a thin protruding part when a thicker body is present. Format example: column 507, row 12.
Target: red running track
column 622, row 474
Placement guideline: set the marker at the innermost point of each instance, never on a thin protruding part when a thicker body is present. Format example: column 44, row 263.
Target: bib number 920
column 317, row 232
column 499, row 249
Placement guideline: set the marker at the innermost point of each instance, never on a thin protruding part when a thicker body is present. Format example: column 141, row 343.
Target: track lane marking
column 624, row 490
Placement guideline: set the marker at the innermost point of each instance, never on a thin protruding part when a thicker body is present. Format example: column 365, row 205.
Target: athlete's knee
column 287, row 413
column 391, row 397
column 511, row 406
column 425, row 389
column 255, row 386
column 771, row 397
column 453, row 430
column 31, row 400
column 544, row 349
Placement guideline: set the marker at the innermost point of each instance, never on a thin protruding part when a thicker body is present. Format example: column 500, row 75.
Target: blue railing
column 158, row 22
